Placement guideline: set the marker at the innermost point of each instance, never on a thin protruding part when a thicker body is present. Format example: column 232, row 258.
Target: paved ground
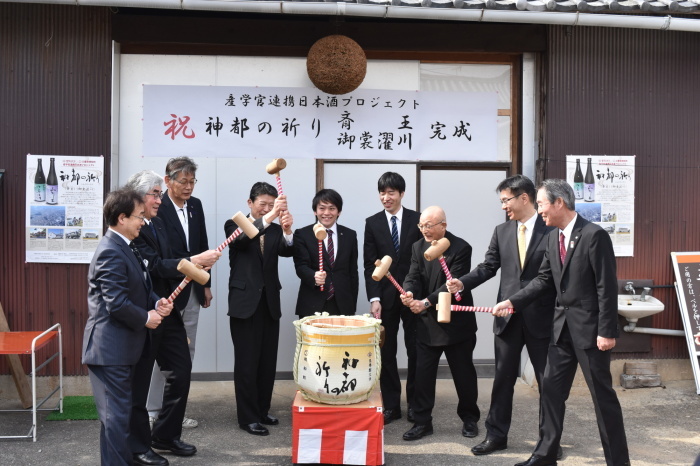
column 662, row 424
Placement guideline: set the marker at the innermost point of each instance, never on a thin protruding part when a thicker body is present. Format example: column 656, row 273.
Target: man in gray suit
column 517, row 247
column 119, row 298
column 579, row 264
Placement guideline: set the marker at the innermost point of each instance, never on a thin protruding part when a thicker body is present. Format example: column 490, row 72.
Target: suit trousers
column 190, row 317
column 255, row 342
column 169, row 349
column 563, row 358
column 389, row 381
column 508, row 349
column 459, row 358
column 111, row 386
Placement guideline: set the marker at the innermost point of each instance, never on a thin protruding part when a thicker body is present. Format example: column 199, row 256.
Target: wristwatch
column 426, row 304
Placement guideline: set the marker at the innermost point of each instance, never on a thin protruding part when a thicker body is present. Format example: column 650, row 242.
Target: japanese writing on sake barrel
column 337, row 359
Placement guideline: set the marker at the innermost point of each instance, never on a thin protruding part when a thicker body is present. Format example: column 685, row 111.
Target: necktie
column 394, row 234
column 522, row 244
column 331, row 261
column 262, row 244
column 136, row 252
column 153, row 230
column 562, row 247
column 184, row 216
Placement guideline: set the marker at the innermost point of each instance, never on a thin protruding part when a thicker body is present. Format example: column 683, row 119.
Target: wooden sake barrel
column 337, row 359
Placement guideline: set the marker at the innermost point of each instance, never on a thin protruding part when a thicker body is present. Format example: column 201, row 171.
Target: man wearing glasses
column 183, row 216
column 517, row 247
column 168, row 343
column 456, row 339
column 121, row 306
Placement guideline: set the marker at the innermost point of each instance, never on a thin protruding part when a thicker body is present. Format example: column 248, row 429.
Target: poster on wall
column 604, row 190
column 64, row 208
column 270, row 122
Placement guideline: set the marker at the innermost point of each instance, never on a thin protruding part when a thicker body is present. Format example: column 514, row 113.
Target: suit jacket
column 162, row 266
column 425, row 278
column 344, row 274
column 119, row 297
column 503, row 254
column 586, row 285
column 253, row 272
column 378, row 243
column 176, row 236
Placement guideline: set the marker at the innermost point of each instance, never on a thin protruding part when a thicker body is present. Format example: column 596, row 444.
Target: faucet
column 630, row 287
column 645, row 293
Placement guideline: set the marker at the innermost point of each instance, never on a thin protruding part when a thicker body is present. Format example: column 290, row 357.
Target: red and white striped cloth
column 338, row 434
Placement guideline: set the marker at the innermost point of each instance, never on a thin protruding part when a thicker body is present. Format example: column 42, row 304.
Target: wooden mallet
column 192, row 272
column 320, row 233
column 435, row 251
column 274, row 168
column 382, row 270
column 245, row 225
column 445, row 308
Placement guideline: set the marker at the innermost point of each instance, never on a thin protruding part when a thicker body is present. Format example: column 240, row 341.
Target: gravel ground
column 662, row 425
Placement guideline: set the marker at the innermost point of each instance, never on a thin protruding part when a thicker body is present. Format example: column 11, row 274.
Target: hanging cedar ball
column 336, row 64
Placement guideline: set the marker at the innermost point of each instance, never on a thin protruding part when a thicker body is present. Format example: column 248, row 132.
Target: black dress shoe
column 470, row 429
column 255, row 429
column 418, row 431
column 175, row 446
column 150, row 457
column 489, row 446
column 536, row 460
column 560, row 453
column 409, row 415
column 391, row 415
column 269, row 420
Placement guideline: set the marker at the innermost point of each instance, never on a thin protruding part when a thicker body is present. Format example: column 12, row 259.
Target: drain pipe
column 632, row 328
column 424, row 12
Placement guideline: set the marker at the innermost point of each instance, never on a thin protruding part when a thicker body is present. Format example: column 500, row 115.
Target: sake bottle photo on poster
column 64, row 197
column 604, row 191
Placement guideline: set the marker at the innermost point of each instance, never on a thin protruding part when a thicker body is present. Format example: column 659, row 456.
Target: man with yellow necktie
column 517, row 247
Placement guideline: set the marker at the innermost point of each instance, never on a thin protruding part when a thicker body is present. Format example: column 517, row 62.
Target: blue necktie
column 394, row 233
column 153, row 229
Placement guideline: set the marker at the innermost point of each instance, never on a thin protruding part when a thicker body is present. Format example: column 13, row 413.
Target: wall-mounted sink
column 631, row 308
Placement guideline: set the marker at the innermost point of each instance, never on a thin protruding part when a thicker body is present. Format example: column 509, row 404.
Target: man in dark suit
column 579, row 264
column 119, row 298
column 456, row 339
column 340, row 276
column 254, row 305
column 183, row 216
column 392, row 232
column 168, row 342
column 517, row 247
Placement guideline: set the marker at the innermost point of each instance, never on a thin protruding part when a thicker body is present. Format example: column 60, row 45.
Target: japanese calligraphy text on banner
column 223, row 121
column 604, row 191
column 64, row 208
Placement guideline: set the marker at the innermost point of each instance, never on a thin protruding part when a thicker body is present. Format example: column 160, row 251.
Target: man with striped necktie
column 339, row 278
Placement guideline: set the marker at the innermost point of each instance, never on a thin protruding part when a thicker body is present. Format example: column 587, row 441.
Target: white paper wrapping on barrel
column 337, row 359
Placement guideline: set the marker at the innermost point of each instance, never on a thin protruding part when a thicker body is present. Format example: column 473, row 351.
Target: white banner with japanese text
column 64, row 208
column 604, row 190
column 270, row 122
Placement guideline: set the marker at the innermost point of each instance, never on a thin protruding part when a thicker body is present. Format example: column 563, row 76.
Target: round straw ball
column 336, row 64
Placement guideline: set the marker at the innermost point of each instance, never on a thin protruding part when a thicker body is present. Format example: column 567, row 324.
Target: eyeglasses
column 428, row 226
column 143, row 219
column 185, row 182
column 506, row 201
column 158, row 194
